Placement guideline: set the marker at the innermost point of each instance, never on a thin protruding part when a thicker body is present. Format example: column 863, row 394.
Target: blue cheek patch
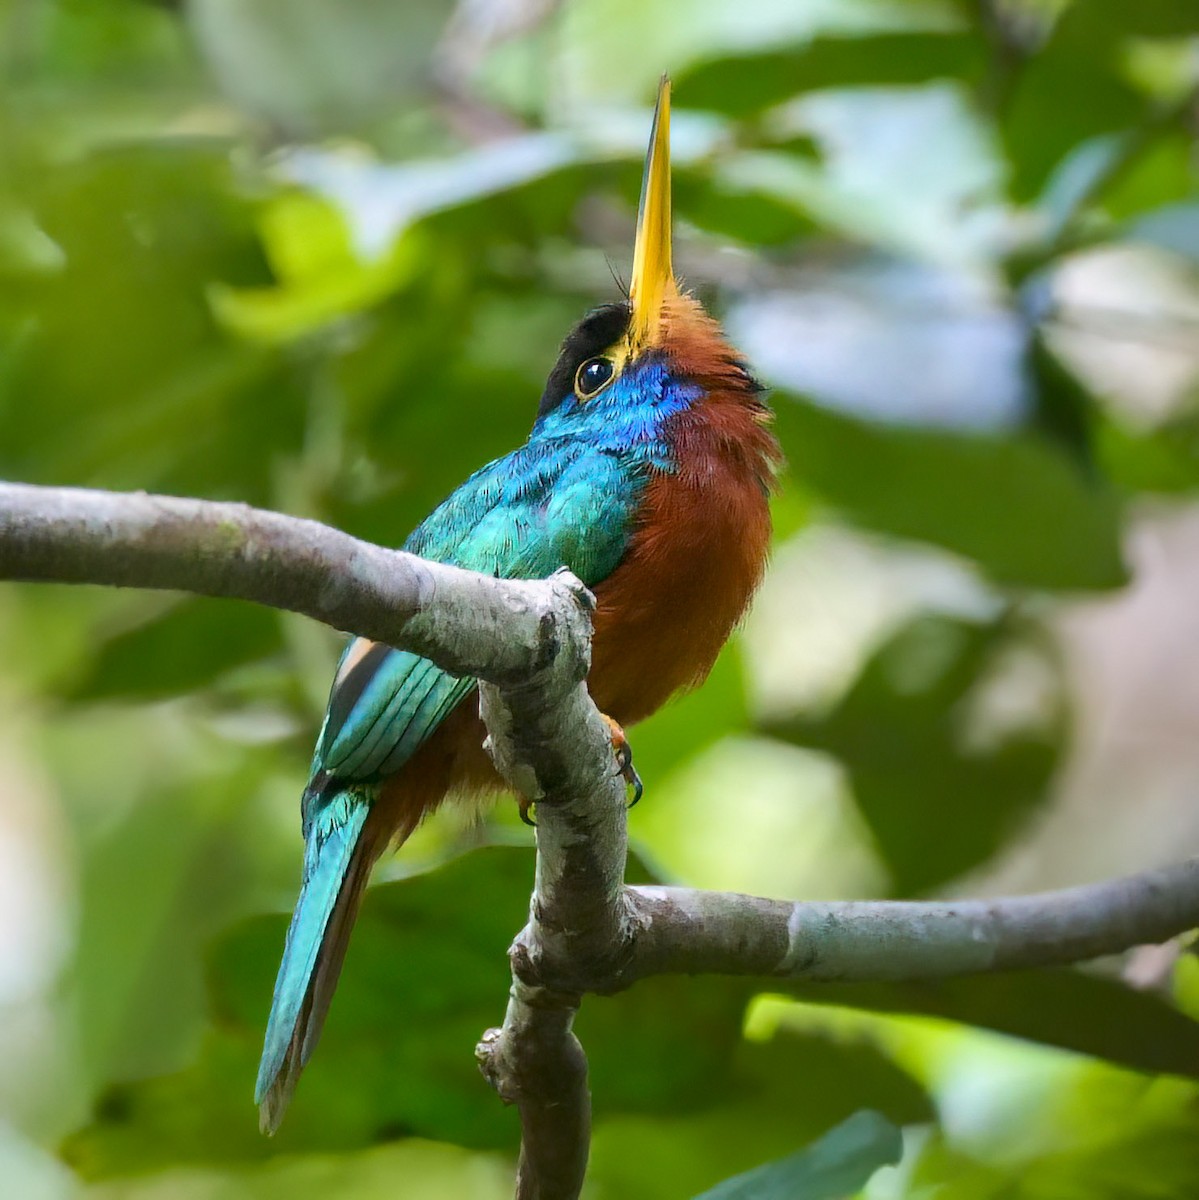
column 628, row 418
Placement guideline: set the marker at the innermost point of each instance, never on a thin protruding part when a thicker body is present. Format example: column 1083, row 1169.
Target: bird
column 647, row 473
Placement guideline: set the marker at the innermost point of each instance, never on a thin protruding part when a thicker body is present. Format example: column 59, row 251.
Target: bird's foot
column 624, row 763
column 624, row 759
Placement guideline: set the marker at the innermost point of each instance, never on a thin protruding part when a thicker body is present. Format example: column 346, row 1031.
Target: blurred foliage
column 1073, row 1010
column 321, row 262
column 912, row 765
column 426, row 951
column 839, row 1163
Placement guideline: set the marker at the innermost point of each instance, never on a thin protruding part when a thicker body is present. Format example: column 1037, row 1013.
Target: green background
column 317, row 256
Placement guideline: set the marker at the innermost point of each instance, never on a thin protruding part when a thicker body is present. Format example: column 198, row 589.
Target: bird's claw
column 624, row 760
column 624, row 764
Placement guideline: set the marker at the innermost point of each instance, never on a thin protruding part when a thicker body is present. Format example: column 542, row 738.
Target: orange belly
column 683, row 584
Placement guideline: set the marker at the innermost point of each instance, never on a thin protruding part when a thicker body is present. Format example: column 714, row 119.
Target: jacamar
column 647, row 473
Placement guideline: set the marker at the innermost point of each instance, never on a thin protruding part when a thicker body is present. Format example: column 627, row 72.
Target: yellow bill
column 653, row 275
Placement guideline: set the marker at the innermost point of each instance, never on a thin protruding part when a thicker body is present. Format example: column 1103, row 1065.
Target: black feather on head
column 599, row 329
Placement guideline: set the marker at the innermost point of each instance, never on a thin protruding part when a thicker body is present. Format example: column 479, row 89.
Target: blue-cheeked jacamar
column 647, row 473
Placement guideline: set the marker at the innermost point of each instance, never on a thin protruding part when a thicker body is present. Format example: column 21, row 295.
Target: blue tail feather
column 336, row 864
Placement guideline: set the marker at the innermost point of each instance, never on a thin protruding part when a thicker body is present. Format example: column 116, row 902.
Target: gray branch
column 528, row 642
column 470, row 624
column 693, row 932
column 548, row 740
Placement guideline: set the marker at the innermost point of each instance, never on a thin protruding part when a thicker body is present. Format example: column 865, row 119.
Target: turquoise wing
column 381, row 710
column 547, row 505
column 522, row 516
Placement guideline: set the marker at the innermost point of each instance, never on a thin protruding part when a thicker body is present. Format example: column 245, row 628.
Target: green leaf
column 1148, row 19
column 1087, row 1130
column 1063, row 409
column 746, row 84
column 1071, row 1009
column 784, row 1091
column 937, row 801
column 980, row 496
column 152, row 887
column 1160, row 174
column 841, row 1162
column 111, row 45
column 321, row 277
column 366, row 230
column 1075, row 177
column 1074, row 87
column 421, row 1169
column 179, row 651
column 1069, row 91
column 135, row 385
column 382, row 200
column 1164, row 460
column 722, row 204
column 842, row 163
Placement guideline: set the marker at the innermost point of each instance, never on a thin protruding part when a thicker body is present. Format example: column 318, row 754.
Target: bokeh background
column 317, row 255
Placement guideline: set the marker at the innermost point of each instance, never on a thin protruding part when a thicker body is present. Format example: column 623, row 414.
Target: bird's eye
column 592, row 376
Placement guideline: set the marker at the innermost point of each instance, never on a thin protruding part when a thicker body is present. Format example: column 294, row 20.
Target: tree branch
column 470, row 624
column 528, row 643
column 548, row 740
column 692, row 932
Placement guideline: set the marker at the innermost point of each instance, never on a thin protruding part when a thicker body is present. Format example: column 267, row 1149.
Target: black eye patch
column 598, row 330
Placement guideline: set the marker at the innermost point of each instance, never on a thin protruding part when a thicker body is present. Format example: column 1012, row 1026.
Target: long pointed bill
column 653, row 275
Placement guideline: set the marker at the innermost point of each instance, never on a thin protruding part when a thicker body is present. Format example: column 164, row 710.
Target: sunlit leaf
column 322, row 277
column 1095, row 1134
column 1070, row 1009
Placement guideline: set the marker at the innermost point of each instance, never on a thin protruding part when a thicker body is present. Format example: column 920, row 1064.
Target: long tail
column 337, row 862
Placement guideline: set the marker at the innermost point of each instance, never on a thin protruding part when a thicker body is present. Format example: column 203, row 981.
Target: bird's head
column 629, row 366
